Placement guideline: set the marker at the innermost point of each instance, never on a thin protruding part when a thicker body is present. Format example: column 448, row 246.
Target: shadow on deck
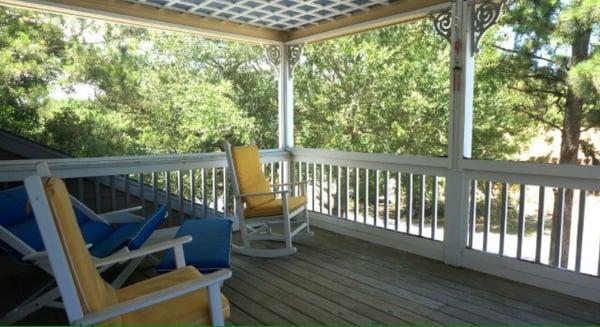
column 336, row 279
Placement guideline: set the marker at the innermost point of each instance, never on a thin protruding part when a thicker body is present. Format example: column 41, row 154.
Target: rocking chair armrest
column 143, row 251
column 262, row 193
column 144, row 301
column 292, row 183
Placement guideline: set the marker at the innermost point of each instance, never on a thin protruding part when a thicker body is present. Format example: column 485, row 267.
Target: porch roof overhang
column 337, row 18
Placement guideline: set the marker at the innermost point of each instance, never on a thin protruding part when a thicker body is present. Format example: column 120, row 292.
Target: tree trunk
column 569, row 149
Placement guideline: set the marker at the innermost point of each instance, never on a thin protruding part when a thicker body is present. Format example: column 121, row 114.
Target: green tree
column 31, row 56
column 388, row 91
column 552, row 65
column 167, row 88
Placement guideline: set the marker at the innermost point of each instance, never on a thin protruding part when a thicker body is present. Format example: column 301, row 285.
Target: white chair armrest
column 214, row 279
column 146, row 250
column 291, row 184
column 123, row 216
column 261, row 193
column 42, row 255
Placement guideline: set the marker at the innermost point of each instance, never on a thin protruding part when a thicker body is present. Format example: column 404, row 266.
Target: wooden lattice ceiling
column 284, row 15
column 260, row 21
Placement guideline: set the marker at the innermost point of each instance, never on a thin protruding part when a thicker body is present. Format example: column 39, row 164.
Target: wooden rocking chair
column 258, row 208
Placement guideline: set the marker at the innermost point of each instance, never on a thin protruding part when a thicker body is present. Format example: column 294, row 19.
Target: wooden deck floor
column 335, row 279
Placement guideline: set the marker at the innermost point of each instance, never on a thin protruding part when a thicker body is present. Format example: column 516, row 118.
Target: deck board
column 339, row 280
column 542, row 305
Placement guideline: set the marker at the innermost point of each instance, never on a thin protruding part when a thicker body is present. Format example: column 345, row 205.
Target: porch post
column 460, row 131
column 283, row 58
column 286, row 99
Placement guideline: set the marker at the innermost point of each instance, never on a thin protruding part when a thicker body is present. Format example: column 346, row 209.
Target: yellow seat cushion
column 274, row 207
column 251, row 179
column 94, row 293
column 192, row 308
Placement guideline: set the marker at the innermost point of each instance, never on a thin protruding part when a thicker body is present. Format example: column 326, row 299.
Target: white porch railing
column 188, row 185
column 398, row 193
column 397, row 201
column 358, row 194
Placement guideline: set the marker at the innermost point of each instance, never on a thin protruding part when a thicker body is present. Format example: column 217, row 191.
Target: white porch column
column 283, row 58
column 460, row 131
column 286, row 99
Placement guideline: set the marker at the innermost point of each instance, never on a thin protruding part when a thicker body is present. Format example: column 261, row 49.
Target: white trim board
column 562, row 281
column 396, row 240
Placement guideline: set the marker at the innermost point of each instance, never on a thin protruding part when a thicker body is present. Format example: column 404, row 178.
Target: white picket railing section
column 189, row 185
column 394, row 200
column 391, row 192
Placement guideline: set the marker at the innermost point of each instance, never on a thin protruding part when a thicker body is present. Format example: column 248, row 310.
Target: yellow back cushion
column 94, row 293
column 249, row 175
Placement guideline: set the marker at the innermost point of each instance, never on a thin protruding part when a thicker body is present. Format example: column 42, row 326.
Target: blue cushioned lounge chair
column 105, row 234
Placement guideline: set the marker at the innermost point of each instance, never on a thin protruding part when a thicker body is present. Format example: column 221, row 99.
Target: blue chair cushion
column 115, row 241
column 209, row 249
column 28, row 232
column 14, row 208
column 94, row 231
column 148, row 227
column 132, row 235
column 16, row 217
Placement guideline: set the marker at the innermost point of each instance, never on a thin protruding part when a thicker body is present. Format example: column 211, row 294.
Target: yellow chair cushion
column 94, row 293
column 250, row 176
column 192, row 308
column 274, row 207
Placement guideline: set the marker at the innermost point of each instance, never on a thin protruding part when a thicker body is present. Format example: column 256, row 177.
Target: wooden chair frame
column 48, row 295
column 258, row 229
column 64, row 278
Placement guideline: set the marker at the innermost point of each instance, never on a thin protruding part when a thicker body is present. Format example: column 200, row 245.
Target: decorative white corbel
column 442, row 22
column 273, row 56
column 484, row 14
column 294, row 53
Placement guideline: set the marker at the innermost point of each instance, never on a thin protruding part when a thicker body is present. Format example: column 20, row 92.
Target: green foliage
column 153, row 92
column 381, row 91
column 544, row 60
column 31, row 55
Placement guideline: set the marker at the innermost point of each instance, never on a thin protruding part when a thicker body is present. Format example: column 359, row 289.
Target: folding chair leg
column 31, row 305
column 125, row 273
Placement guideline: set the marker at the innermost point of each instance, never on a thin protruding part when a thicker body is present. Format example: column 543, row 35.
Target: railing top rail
column 567, row 176
column 16, row 170
column 413, row 164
